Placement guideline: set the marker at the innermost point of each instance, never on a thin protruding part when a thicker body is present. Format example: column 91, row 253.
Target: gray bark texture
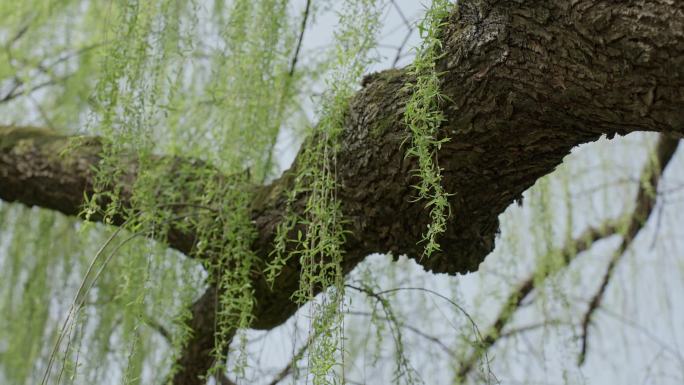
column 526, row 81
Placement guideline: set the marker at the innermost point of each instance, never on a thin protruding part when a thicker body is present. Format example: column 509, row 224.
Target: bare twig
column 158, row 327
column 15, row 94
column 286, row 89
column 524, row 329
column 15, row 90
column 411, row 328
column 305, row 18
column 403, row 365
column 300, row 353
column 399, row 55
column 646, row 332
column 19, row 34
column 645, row 202
column 666, row 146
column 16, row 83
column 480, row 338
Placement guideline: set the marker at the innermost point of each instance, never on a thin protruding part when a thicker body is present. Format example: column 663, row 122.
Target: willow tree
column 156, row 134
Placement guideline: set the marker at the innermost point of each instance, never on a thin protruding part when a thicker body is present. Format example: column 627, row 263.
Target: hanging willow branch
column 525, row 82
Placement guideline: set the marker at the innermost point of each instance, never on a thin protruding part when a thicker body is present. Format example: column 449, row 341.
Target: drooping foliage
column 219, row 82
column 212, row 81
column 424, row 117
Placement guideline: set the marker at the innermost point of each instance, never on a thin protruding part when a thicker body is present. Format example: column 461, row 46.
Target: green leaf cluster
column 423, row 116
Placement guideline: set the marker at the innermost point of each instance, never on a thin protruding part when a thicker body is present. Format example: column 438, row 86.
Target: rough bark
column 526, row 82
column 196, row 359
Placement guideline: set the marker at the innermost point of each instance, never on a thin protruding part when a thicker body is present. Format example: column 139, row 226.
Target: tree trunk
column 526, row 81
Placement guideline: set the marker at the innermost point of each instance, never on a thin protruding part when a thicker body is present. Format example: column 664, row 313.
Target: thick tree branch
column 526, row 81
column 197, row 356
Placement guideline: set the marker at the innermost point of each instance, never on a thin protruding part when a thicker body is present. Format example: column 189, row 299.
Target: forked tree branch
column 524, row 82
